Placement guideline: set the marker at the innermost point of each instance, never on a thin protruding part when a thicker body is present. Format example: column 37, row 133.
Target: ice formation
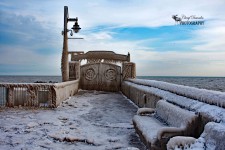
column 143, row 111
column 180, row 141
column 207, row 96
column 211, row 111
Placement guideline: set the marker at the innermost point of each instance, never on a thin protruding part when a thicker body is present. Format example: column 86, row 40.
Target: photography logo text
column 188, row 20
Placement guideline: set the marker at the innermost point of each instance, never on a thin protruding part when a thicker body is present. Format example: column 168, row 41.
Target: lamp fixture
column 76, row 26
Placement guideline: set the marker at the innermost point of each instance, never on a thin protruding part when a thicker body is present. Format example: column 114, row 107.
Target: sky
column 31, row 41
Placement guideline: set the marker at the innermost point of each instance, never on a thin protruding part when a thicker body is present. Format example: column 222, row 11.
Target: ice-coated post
column 10, row 97
column 74, row 70
column 128, row 70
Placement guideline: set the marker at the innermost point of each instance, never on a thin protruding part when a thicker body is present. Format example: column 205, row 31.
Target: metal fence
column 3, row 93
column 37, row 95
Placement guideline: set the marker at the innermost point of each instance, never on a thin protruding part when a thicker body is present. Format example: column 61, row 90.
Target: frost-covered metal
column 37, row 94
column 28, row 94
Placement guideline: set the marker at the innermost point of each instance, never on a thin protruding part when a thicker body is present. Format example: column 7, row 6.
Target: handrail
column 28, row 94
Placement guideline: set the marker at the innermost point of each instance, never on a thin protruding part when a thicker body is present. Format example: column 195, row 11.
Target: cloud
column 209, row 37
column 26, row 31
column 151, row 62
column 28, row 59
column 100, row 36
column 127, row 13
column 212, row 39
column 181, row 64
column 30, row 32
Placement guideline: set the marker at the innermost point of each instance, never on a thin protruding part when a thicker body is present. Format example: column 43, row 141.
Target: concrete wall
column 140, row 96
column 65, row 90
column 206, row 96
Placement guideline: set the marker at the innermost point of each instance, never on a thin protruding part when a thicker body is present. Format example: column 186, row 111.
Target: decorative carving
column 110, row 74
column 90, row 74
column 100, row 76
column 129, row 70
column 74, row 70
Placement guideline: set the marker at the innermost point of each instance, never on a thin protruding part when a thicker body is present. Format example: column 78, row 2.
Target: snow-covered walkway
column 88, row 121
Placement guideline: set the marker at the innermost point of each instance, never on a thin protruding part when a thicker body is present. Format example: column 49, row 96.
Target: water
column 30, row 79
column 211, row 83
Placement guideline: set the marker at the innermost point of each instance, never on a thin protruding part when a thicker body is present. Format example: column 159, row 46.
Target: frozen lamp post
column 75, row 28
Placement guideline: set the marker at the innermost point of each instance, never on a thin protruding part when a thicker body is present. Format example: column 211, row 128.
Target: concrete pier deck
column 89, row 120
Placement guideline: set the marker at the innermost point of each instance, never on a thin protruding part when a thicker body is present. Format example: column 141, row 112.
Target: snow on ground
column 90, row 120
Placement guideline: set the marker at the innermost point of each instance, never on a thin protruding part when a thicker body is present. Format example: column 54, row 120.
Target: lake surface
column 210, row 83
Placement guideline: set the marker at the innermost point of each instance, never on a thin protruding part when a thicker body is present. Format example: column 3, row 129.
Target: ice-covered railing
column 203, row 95
column 36, row 94
column 26, row 94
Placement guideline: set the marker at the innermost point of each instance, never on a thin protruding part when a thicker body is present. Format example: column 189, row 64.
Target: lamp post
column 75, row 28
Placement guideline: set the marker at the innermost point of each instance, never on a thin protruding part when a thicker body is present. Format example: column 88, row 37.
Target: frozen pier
column 103, row 120
column 89, row 120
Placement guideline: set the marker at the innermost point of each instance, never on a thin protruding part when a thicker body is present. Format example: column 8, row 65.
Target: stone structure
column 101, row 71
column 100, row 76
column 129, row 70
column 100, row 56
column 74, row 70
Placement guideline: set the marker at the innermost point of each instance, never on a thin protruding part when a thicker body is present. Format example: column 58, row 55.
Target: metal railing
column 3, row 93
column 36, row 94
column 29, row 94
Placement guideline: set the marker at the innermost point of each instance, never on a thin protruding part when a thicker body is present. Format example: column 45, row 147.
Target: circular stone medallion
column 110, row 74
column 90, row 74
